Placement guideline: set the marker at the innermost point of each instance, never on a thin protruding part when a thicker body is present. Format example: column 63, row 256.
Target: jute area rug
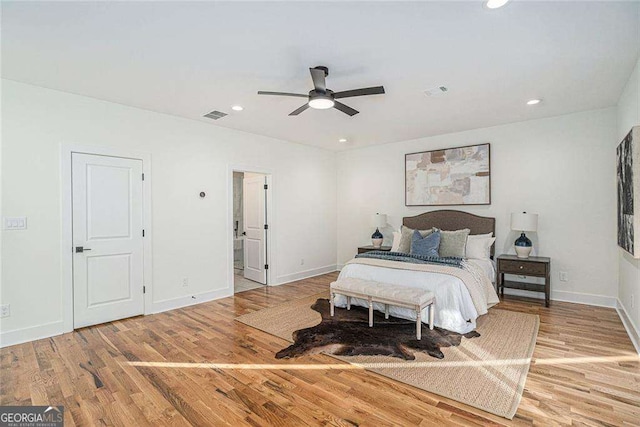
column 487, row 372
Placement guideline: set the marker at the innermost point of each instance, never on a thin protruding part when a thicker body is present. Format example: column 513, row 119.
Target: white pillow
column 479, row 246
column 396, row 241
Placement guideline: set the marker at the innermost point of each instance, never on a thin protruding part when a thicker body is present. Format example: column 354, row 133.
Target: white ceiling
column 189, row 58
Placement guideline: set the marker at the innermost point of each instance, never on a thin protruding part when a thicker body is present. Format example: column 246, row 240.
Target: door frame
column 270, row 244
column 66, row 217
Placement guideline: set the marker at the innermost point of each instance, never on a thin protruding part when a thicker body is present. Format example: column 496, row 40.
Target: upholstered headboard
column 452, row 220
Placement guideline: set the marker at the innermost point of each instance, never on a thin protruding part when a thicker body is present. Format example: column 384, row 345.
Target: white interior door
column 254, row 221
column 107, row 239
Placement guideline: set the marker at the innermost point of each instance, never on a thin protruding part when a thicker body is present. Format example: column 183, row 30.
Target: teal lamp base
column 523, row 246
column 376, row 239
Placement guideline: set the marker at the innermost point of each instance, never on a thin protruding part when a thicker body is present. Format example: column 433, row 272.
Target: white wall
column 628, row 114
column 562, row 168
column 189, row 234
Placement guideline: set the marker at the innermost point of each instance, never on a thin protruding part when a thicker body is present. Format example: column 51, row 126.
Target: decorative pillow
column 407, row 235
column 453, row 243
column 425, row 246
column 479, row 246
column 397, row 235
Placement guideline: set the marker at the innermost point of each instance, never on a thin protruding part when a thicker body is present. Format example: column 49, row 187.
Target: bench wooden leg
column 386, row 311
column 370, row 313
column 333, row 297
column 348, row 303
column 418, row 323
column 431, row 316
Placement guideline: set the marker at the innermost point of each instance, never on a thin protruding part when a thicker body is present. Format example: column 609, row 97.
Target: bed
column 457, row 304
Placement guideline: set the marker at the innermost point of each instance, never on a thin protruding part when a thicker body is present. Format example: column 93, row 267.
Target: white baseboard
column 632, row 330
column 574, row 297
column 187, row 300
column 32, row 333
column 288, row 278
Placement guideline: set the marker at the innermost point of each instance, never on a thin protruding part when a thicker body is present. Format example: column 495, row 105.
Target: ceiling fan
column 322, row 98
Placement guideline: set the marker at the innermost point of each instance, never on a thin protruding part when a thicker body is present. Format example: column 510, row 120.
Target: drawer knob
column 521, row 267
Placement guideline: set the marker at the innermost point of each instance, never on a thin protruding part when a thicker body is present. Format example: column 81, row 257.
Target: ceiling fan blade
column 319, row 82
column 299, row 95
column 377, row 90
column 299, row 110
column 345, row 108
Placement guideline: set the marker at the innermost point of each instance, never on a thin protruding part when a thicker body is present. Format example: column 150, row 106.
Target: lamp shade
column 524, row 221
column 379, row 220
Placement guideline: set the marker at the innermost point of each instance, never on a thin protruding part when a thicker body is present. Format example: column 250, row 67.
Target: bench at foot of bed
column 387, row 294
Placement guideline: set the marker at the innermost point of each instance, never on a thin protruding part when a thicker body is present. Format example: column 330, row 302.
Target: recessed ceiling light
column 533, row 101
column 237, row 108
column 342, row 140
column 494, row 4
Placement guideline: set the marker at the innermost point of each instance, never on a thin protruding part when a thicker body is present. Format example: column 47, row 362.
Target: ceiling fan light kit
column 321, row 98
column 321, row 102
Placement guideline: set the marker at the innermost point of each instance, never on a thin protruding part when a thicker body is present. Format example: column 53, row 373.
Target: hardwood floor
column 198, row 366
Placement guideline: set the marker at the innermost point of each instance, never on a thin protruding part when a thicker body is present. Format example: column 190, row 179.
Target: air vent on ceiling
column 215, row 115
column 440, row 90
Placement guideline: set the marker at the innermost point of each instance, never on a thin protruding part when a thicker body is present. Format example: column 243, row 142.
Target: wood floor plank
column 584, row 372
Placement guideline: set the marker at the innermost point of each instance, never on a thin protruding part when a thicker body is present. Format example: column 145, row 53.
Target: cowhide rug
column 347, row 333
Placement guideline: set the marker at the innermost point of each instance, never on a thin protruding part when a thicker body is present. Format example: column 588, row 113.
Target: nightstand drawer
column 523, row 268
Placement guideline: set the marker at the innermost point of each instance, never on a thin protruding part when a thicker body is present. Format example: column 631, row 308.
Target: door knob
column 80, row 249
column 244, row 233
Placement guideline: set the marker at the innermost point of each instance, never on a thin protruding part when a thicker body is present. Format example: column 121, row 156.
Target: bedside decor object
column 534, row 266
column 452, row 176
column 628, row 176
column 379, row 221
column 523, row 222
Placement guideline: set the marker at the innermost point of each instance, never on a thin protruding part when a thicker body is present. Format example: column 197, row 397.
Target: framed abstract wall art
column 628, row 177
column 452, row 176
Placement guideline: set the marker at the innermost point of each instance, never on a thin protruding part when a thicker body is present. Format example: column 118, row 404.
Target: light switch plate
column 15, row 223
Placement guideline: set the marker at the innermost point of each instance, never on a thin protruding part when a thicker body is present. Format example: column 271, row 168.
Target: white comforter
column 455, row 310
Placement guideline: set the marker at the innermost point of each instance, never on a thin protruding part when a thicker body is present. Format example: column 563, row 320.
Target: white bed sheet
column 454, row 308
column 487, row 265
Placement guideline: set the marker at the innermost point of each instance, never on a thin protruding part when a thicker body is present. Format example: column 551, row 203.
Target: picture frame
column 449, row 177
column 628, row 192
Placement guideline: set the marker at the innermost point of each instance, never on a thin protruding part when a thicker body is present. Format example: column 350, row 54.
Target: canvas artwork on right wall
column 628, row 173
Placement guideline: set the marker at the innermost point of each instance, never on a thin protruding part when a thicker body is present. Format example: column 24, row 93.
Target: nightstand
column 533, row 266
column 363, row 249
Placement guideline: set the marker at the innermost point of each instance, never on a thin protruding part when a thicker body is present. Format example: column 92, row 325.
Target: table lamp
column 523, row 222
column 378, row 221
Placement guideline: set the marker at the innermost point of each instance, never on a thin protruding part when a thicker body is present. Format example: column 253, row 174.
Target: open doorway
column 250, row 230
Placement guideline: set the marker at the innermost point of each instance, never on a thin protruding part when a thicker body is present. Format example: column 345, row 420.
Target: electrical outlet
column 564, row 276
column 5, row 310
column 301, row 261
column 185, row 282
